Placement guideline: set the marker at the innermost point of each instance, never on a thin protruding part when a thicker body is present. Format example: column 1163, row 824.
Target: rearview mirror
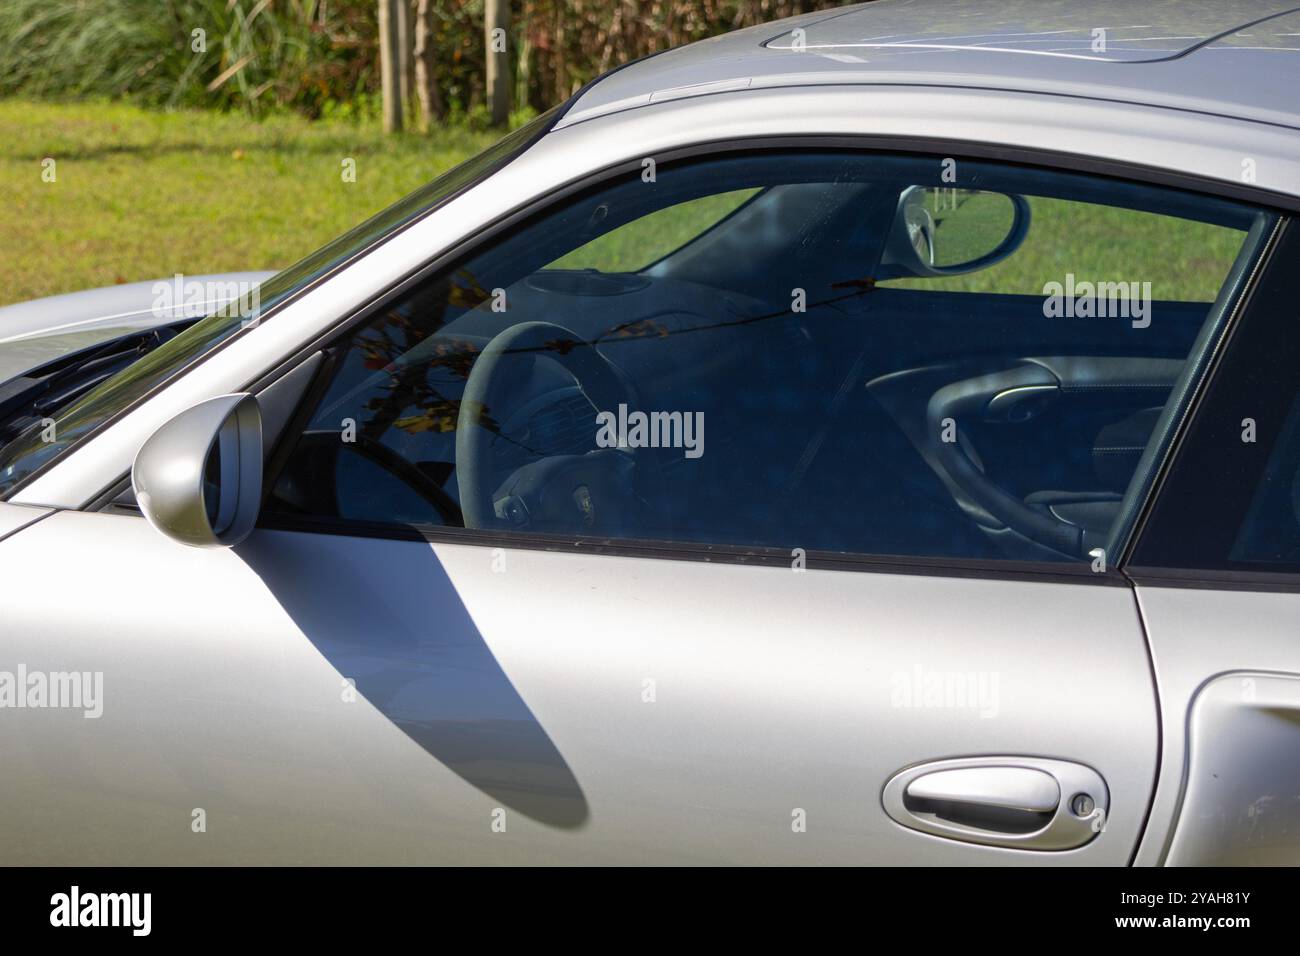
column 198, row 478
column 946, row 231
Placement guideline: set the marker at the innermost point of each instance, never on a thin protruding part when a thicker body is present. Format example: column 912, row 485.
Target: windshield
column 45, row 440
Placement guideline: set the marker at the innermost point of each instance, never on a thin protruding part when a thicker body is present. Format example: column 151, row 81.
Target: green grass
column 970, row 229
column 142, row 194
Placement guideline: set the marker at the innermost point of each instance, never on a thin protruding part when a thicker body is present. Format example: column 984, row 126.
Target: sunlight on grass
column 143, row 194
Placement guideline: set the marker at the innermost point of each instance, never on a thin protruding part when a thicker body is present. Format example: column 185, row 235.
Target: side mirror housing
column 198, row 478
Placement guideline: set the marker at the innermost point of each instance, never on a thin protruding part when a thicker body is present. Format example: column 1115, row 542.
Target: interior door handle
column 1032, row 803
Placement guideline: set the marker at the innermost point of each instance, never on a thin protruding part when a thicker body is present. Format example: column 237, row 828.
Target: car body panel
column 1240, row 806
column 519, row 695
column 1136, row 31
column 1199, row 635
column 35, row 332
column 1157, row 53
column 14, row 518
column 524, row 689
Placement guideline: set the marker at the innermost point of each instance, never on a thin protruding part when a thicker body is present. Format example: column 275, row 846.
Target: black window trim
column 1267, row 201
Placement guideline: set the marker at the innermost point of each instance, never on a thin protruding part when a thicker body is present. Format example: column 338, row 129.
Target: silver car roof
column 1239, row 59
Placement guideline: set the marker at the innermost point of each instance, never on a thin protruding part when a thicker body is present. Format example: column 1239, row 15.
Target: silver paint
column 1241, row 795
column 1196, row 636
column 168, row 475
column 525, row 691
column 1015, row 783
column 523, row 695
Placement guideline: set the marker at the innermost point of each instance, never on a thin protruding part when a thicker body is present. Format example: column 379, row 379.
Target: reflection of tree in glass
column 640, row 329
column 383, row 344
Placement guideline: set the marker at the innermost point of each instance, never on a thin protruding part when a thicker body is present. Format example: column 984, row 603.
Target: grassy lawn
column 143, row 195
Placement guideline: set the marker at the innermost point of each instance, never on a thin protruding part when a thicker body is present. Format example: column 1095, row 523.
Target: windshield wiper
column 43, row 391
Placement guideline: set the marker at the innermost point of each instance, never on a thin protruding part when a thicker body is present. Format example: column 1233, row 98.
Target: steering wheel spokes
column 585, row 494
column 568, row 494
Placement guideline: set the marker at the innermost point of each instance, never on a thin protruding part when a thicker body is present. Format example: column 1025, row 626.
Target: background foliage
column 172, row 159
column 319, row 57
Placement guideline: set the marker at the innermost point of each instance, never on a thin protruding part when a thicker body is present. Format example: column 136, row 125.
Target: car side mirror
column 198, row 478
column 948, row 231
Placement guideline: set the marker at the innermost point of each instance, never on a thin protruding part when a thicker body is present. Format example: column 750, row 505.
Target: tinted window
column 1231, row 501
column 790, row 351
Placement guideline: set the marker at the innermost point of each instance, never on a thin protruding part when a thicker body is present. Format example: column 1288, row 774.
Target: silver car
column 871, row 438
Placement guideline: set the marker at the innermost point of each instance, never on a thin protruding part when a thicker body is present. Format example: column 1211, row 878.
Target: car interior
column 865, row 340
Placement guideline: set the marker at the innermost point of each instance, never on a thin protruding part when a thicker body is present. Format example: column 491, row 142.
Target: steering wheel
column 589, row 491
column 999, row 396
column 318, row 453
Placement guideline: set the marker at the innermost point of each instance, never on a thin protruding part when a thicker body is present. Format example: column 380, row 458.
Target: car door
column 489, row 616
column 1216, row 568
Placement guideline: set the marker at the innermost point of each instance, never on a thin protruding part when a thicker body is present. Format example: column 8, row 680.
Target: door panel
column 1229, row 645
column 517, row 680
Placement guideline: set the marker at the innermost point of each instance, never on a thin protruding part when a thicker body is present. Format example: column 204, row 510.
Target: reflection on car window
column 766, row 351
column 636, row 245
column 1185, row 260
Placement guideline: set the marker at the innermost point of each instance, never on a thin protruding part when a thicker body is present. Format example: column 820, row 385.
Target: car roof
column 1238, row 59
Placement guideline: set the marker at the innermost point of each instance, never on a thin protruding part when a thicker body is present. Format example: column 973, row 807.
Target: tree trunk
column 496, row 24
column 432, row 108
column 390, row 64
column 406, row 56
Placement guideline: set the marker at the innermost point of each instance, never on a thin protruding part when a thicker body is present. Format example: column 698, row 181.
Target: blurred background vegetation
column 320, row 58
column 203, row 136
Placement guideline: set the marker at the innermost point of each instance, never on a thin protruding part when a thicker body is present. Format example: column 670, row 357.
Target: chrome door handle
column 1032, row 803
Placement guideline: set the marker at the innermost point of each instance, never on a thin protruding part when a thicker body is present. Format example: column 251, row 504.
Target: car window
column 640, row 243
column 1231, row 500
column 1091, row 239
column 765, row 351
column 1270, row 531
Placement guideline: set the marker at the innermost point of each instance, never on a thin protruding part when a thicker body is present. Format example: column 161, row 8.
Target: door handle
column 1003, row 788
column 1031, row 803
